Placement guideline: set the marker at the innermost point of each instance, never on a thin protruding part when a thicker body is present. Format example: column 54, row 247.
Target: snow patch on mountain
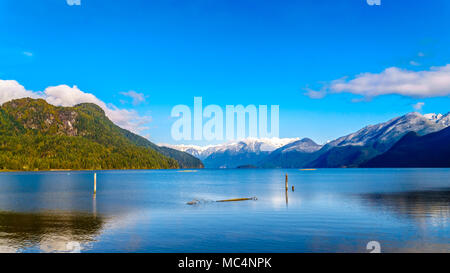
column 433, row 116
column 389, row 132
column 305, row 145
column 443, row 120
column 248, row 145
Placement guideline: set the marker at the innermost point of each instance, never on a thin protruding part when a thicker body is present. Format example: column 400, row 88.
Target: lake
column 331, row 210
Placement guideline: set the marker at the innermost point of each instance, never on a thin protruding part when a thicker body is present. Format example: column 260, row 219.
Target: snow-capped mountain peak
column 433, row 116
column 294, row 152
column 389, row 132
column 305, row 145
column 248, row 145
column 443, row 120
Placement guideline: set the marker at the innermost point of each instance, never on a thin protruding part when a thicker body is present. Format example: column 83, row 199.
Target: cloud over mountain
column 418, row 106
column 10, row 89
column 64, row 95
column 434, row 82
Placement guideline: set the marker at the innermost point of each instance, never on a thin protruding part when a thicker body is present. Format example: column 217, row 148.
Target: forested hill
column 35, row 135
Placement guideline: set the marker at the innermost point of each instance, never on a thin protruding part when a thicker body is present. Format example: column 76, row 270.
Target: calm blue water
column 331, row 210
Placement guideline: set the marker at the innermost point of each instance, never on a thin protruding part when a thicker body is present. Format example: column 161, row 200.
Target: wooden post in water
column 95, row 183
column 286, row 182
column 287, row 197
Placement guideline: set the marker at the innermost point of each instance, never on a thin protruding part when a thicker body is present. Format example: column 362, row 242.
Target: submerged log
column 196, row 202
column 238, row 199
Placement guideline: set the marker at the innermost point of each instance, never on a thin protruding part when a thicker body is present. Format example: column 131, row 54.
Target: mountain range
column 352, row 150
column 235, row 153
column 35, row 135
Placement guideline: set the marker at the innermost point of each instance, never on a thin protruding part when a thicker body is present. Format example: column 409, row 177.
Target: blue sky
column 233, row 52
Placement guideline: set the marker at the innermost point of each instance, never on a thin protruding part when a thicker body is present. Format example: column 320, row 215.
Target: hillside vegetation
column 35, row 135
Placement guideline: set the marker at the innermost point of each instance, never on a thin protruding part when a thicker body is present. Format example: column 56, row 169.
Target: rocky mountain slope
column 384, row 135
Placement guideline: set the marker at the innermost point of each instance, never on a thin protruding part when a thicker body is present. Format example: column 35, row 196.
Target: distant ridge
column 292, row 155
column 432, row 150
column 352, row 150
column 357, row 148
column 233, row 154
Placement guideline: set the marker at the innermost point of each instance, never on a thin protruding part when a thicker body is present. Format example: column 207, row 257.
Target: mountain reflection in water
column 331, row 210
column 413, row 204
column 49, row 231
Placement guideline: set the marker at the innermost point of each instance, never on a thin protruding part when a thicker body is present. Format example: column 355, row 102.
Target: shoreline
column 188, row 170
column 82, row 170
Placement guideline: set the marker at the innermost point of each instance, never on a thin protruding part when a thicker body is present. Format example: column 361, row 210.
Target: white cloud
column 137, row 97
column 434, row 82
column 27, row 53
column 64, row 95
column 73, row 2
column 421, row 54
column 10, row 89
column 414, row 63
column 418, row 106
column 315, row 94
